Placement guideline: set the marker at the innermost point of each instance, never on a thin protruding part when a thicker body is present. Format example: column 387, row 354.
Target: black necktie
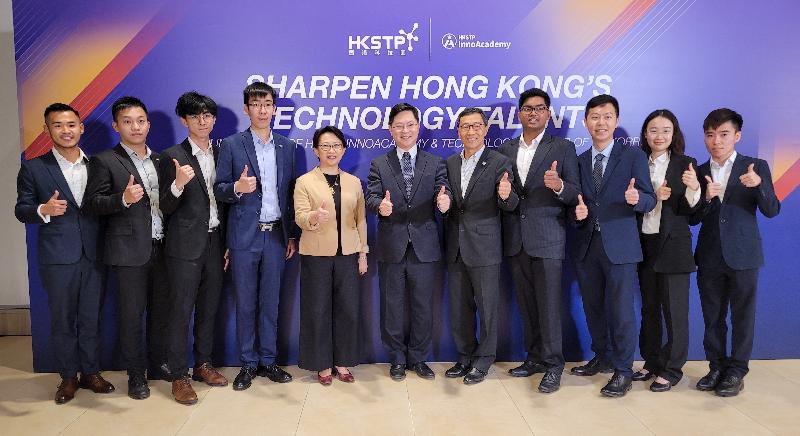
column 597, row 172
column 408, row 173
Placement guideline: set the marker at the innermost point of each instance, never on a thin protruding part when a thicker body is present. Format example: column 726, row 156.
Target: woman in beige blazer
column 329, row 208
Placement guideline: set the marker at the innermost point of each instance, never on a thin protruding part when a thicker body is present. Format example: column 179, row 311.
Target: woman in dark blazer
column 329, row 208
column 667, row 249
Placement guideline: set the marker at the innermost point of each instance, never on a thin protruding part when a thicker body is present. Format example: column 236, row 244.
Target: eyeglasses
column 475, row 126
column 328, row 147
column 260, row 106
column 606, row 117
column 202, row 117
column 401, row 127
column 538, row 109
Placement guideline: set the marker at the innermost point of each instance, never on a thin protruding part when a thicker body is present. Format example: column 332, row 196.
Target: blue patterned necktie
column 597, row 172
column 408, row 173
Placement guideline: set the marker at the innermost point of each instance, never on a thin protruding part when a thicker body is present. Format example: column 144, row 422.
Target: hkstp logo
column 383, row 44
column 449, row 41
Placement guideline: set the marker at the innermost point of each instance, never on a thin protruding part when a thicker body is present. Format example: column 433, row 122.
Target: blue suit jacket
column 235, row 152
column 618, row 228
column 63, row 240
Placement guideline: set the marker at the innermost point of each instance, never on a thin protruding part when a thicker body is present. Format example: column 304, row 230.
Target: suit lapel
column 514, row 154
column 737, row 169
column 279, row 157
column 538, row 158
column 250, row 149
column 585, row 163
column 479, row 169
column 127, row 162
column 613, row 160
column 455, row 181
column 397, row 172
column 55, row 171
column 198, row 171
column 419, row 170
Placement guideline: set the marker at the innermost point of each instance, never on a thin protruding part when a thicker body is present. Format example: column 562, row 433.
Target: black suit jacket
column 538, row 224
column 413, row 220
column 675, row 239
column 186, row 217
column 128, row 233
column 474, row 219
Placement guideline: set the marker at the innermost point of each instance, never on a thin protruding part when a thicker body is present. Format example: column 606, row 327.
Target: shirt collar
column 62, row 160
column 412, row 151
column 660, row 159
column 196, row 148
column 270, row 140
column 729, row 160
column 133, row 154
column 475, row 156
column 606, row 151
column 536, row 141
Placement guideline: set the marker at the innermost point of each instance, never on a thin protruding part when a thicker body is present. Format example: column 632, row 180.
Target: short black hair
column 533, row 92
column 720, row 116
column 258, row 90
column 328, row 129
column 470, row 111
column 402, row 107
column 678, row 144
column 126, row 102
column 59, row 107
column 599, row 100
column 194, row 103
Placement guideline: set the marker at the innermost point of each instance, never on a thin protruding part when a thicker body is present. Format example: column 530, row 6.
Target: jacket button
column 409, row 206
column 722, row 221
column 522, row 216
column 521, row 197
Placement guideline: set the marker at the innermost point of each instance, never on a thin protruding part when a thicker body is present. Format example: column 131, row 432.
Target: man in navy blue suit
column 50, row 192
column 615, row 183
column 729, row 251
column 256, row 175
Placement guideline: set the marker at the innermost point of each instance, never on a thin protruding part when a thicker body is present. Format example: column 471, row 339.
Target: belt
column 270, row 226
column 158, row 241
column 213, row 230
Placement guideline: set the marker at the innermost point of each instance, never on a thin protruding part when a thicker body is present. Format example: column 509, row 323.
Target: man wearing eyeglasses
column 405, row 188
column 481, row 180
column 193, row 245
column 256, row 175
column 546, row 180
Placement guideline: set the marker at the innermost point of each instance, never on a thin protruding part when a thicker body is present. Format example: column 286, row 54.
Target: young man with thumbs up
column 546, row 181
column 729, row 252
column 405, row 189
column 615, row 186
column 256, row 177
column 50, row 193
column 124, row 187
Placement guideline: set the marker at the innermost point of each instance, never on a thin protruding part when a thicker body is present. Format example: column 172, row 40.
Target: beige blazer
column 310, row 190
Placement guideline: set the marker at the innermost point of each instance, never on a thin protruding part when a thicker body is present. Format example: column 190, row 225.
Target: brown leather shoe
column 66, row 390
column 183, row 392
column 209, row 375
column 96, row 383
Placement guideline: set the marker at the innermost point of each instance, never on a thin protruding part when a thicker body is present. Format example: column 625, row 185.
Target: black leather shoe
column 618, row 386
column 457, row 370
column 397, row 371
column 709, row 381
column 244, row 379
column 593, row 367
column 160, row 373
column 660, row 387
column 474, row 376
column 423, row 370
column 137, row 387
column 274, row 373
column 551, row 382
column 640, row 376
column 730, row 386
column 527, row 369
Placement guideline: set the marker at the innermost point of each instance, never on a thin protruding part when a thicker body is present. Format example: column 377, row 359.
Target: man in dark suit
column 50, row 192
column 194, row 244
column 409, row 253
column 255, row 174
column 481, row 180
column 615, row 181
column 123, row 187
column 546, row 180
column 729, row 252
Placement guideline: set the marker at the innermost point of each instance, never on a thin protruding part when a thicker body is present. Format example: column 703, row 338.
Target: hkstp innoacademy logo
column 449, row 41
column 390, row 45
column 464, row 40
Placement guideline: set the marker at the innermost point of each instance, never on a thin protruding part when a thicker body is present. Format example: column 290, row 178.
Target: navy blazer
column 235, row 152
column 413, row 219
column 731, row 225
column 62, row 241
column 618, row 227
column 538, row 224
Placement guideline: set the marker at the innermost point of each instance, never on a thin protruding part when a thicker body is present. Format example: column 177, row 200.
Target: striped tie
column 597, row 172
column 408, row 173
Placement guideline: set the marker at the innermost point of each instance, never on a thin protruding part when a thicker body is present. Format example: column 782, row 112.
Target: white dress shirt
column 207, row 167
column 147, row 172
column 525, row 155
column 76, row 175
column 721, row 173
column 467, row 168
column 651, row 223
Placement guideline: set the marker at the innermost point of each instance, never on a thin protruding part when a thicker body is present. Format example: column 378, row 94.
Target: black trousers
column 196, row 286
column 665, row 303
column 538, row 285
column 408, row 285
column 144, row 288
column 329, row 312
column 721, row 287
column 75, row 296
column 474, row 289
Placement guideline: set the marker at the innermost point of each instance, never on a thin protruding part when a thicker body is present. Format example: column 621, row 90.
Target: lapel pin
column 483, row 163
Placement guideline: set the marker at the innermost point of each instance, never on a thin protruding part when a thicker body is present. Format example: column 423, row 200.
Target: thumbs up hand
column 632, row 194
column 713, row 189
column 689, row 178
column 133, row 192
column 504, row 187
column 750, row 179
column 322, row 213
column 581, row 211
column 183, row 174
column 442, row 200
column 551, row 179
column 54, row 206
column 385, row 208
column 663, row 192
column 245, row 184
